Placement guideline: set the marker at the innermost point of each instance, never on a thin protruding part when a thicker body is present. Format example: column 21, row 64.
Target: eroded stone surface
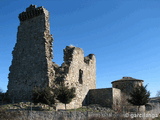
column 78, row 73
column 32, row 66
column 106, row 97
column 32, row 55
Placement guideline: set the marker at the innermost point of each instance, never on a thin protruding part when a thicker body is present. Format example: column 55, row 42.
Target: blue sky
column 123, row 34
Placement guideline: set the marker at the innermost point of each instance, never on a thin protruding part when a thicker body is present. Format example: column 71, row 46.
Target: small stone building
column 115, row 96
column 126, row 85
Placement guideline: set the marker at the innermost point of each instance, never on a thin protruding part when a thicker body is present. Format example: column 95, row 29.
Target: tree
column 139, row 96
column 45, row 96
column 65, row 94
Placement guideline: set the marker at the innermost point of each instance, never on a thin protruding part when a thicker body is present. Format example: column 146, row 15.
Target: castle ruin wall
column 103, row 97
column 79, row 72
column 32, row 64
column 32, row 55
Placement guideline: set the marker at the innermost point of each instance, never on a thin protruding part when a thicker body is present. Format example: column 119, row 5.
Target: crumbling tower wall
column 32, row 55
column 79, row 72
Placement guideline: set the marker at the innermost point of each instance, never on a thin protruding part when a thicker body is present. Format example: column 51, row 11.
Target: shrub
column 43, row 96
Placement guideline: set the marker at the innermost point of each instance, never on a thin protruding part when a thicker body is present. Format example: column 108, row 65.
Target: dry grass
column 8, row 115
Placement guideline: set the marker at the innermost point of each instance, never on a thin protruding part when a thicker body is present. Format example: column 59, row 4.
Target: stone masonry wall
column 116, row 94
column 126, row 85
column 32, row 55
column 102, row 97
column 79, row 72
column 64, row 115
column 106, row 97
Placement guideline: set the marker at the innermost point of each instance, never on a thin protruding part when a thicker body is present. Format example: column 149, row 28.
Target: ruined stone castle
column 32, row 66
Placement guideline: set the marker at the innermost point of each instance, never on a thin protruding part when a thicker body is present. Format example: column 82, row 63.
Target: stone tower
column 126, row 85
column 32, row 55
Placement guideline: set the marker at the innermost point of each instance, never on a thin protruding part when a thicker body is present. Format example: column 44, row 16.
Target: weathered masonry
column 32, row 67
column 32, row 64
column 106, row 97
column 79, row 72
column 126, row 85
column 32, row 54
column 117, row 95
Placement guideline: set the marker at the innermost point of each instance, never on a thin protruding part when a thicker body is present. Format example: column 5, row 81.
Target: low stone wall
column 74, row 115
column 54, row 115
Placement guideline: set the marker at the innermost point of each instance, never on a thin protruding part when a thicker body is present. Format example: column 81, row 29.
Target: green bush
column 44, row 96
